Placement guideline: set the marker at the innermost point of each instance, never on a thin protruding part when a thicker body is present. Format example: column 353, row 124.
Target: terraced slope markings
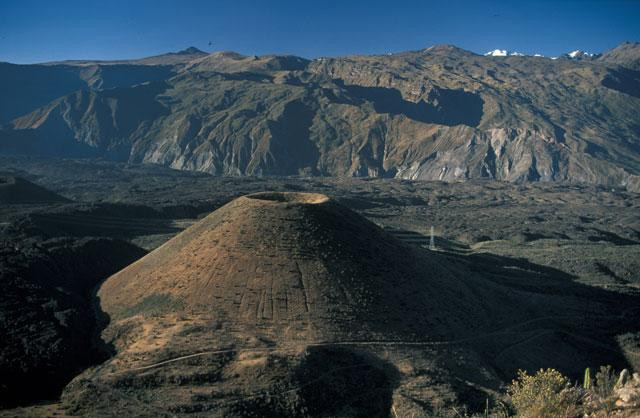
column 277, row 261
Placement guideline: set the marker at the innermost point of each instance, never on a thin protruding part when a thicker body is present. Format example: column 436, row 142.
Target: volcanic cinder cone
column 296, row 266
column 18, row 190
column 289, row 304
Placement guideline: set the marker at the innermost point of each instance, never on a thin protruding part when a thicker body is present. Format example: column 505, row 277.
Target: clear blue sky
column 37, row 31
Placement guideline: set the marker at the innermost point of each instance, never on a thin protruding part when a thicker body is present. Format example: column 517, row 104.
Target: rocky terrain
column 441, row 113
column 542, row 275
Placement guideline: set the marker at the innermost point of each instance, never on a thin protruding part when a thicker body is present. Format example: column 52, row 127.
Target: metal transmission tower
column 432, row 241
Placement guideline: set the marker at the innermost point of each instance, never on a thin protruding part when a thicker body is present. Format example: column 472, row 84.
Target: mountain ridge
column 440, row 113
column 178, row 57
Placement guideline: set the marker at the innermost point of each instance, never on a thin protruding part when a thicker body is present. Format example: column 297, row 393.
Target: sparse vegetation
column 548, row 393
column 545, row 394
column 605, row 382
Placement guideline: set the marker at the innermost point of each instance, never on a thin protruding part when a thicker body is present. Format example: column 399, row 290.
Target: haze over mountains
column 440, row 113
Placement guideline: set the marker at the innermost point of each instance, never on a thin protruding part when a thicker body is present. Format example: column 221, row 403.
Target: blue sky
column 37, row 31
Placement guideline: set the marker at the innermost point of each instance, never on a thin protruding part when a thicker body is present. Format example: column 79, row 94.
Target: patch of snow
column 577, row 53
column 504, row 53
column 497, row 53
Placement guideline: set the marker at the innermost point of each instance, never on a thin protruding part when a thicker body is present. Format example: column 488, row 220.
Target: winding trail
column 361, row 343
column 261, row 391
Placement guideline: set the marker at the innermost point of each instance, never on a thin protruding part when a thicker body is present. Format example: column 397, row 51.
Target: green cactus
column 587, row 378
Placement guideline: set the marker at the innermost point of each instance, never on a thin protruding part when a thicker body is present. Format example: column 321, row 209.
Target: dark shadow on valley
column 553, row 320
column 445, row 107
column 578, row 323
column 623, row 80
column 335, row 381
column 290, row 141
column 104, row 220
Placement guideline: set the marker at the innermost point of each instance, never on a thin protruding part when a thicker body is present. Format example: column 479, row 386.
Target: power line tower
column 432, row 241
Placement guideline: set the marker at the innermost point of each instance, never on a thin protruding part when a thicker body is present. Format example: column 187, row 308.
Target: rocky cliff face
column 436, row 114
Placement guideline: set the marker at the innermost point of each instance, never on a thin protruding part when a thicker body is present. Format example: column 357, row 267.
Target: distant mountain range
column 441, row 113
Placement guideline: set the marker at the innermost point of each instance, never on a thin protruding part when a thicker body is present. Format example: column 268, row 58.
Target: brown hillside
column 280, row 261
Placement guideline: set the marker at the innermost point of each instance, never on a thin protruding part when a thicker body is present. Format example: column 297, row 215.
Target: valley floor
column 587, row 236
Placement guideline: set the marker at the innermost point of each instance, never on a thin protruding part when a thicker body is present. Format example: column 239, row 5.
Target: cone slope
column 271, row 260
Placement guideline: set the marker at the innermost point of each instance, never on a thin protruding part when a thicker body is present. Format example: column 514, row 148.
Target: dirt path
column 502, row 331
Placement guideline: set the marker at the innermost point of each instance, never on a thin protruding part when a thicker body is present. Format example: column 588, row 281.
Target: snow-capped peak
column 573, row 55
column 503, row 53
column 579, row 54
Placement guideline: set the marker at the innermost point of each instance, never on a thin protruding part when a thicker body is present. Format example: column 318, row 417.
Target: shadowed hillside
column 48, row 324
column 20, row 191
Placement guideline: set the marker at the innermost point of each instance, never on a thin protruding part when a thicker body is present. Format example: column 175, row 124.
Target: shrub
column 546, row 394
column 604, row 399
column 605, row 381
